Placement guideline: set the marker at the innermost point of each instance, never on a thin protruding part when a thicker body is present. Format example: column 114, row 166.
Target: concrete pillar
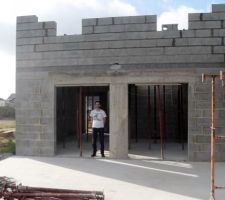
column 118, row 141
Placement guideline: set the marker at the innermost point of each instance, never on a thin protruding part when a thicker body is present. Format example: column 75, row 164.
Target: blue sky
column 68, row 15
column 158, row 6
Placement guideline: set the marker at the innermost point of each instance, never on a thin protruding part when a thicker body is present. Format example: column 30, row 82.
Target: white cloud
column 7, row 75
column 176, row 16
column 67, row 14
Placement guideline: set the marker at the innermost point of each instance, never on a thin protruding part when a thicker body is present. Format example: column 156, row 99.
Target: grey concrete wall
column 45, row 60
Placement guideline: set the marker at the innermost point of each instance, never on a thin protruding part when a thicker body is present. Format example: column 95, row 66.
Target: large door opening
column 158, row 121
column 73, row 125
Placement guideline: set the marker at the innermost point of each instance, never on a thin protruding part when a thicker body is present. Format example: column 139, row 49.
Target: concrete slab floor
column 119, row 179
column 140, row 150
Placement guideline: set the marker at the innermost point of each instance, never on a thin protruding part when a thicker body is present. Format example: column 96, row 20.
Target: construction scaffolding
column 214, row 137
column 9, row 190
column 157, row 110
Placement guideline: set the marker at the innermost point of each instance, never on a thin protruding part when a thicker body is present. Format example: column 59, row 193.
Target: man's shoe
column 93, row 155
column 103, row 156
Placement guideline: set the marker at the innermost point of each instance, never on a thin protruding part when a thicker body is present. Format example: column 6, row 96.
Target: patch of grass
column 7, row 124
column 7, row 145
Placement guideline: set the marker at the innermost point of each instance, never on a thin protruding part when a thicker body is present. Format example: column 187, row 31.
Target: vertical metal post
column 129, row 116
column 149, row 117
column 178, row 115
column 160, row 120
column 87, row 116
column 213, row 131
column 80, row 120
column 182, row 116
column 77, row 117
column 63, row 117
column 164, row 115
column 213, row 138
column 136, row 116
column 155, row 116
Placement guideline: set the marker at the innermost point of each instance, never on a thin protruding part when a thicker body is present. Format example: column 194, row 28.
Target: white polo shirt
column 98, row 118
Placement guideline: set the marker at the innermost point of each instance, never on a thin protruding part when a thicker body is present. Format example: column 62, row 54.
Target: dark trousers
column 96, row 132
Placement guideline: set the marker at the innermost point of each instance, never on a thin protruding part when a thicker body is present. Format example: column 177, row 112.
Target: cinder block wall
column 45, row 60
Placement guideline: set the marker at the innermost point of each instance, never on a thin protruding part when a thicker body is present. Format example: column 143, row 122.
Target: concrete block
column 164, row 42
column 28, row 120
column 30, row 33
column 203, row 24
column 68, row 38
column 26, row 19
column 202, row 105
column 169, row 27
column 29, row 41
column 125, row 28
column 49, row 47
column 213, row 16
column 24, row 49
column 218, row 32
column 197, row 41
column 51, row 32
column 130, row 20
column 91, row 53
column 200, row 156
column 151, row 18
column 194, row 16
column 188, row 33
column 30, row 26
column 167, row 34
column 87, row 29
column 202, row 96
column 104, row 21
column 140, row 27
column 28, row 136
column 219, row 49
column 200, row 147
column 218, row 8
column 108, row 29
column 203, row 122
column 50, row 25
column 187, row 50
column 202, row 139
column 89, row 22
column 203, row 33
column 196, row 33
column 46, row 136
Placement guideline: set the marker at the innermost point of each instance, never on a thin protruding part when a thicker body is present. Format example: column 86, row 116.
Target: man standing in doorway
column 98, row 117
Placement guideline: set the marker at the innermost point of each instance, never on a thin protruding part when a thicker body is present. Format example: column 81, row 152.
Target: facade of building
column 117, row 58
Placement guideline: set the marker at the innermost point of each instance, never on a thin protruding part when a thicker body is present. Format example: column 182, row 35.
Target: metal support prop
column 155, row 117
column 63, row 118
column 161, row 125
column 129, row 116
column 87, row 116
column 77, row 118
column 180, row 115
column 149, row 117
column 213, row 130
column 9, row 190
column 164, row 115
column 80, row 121
column 136, row 116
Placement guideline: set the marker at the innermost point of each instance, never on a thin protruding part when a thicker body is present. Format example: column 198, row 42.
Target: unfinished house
column 148, row 82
